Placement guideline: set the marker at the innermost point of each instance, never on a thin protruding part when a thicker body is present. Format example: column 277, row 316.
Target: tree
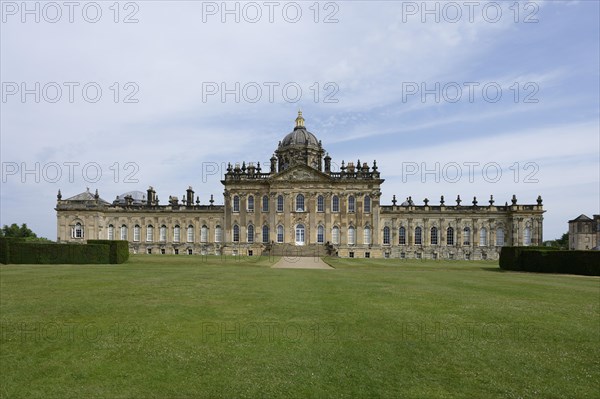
column 563, row 241
column 15, row 231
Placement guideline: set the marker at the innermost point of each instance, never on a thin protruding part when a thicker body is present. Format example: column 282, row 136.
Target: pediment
column 301, row 173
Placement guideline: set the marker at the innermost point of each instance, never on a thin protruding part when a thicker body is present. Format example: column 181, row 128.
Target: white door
column 300, row 234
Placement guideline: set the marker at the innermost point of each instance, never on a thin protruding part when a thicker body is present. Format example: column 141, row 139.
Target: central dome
column 300, row 136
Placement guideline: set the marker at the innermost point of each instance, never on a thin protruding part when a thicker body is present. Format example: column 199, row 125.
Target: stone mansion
column 300, row 206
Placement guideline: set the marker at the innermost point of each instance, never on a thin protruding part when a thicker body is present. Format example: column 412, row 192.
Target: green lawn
column 187, row 327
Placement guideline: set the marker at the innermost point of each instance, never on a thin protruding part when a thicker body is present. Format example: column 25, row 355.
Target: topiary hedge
column 119, row 249
column 550, row 260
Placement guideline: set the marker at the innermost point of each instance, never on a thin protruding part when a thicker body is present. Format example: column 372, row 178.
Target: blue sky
column 373, row 58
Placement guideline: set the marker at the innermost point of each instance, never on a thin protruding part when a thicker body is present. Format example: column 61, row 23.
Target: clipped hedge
column 34, row 253
column 119, row 249
column 21, row 251
column 550, row 260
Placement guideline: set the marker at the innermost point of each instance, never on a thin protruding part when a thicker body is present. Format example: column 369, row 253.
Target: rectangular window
column 368, row 254
column 351, row 204
column 418, row 236
column 367, row 204
column 136, row 233
column 320, row 234
column 351, row 254
column 149, row 234
column 280, row 203
column 265, row 203
column 176, row 251
column 320, row 204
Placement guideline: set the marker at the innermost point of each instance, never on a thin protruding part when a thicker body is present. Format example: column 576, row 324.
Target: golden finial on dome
column 299, row 120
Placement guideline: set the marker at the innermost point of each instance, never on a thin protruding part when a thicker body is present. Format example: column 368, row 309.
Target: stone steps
column 290, row 250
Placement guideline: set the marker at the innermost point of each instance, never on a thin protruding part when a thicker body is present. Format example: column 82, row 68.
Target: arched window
column 279, row 234
column 251, row 203
column 483, row 237
column 250, row 233
column 351, row 235
column 320, row 204
column 386, row 235
column 218, row 233
column 150, row 233
column 351, row 204
column 335, row 235
column 402, row 236
column 111, row 232
column 418, row 236
column 78, row 231
column 434, row 236
column 367, row 235
column 265, row 234
column 449, row 236
column 527, row 236
column 163, row 233
column 299, row 203
column 236, row 233
column 499, row 237
column 265, row 203
column 123, row 232
column 335, row 204
column 136, row 233
column 190, row 233
column 176, row 233
column 204, row 234
column 320, row 234
column 467, row 236
column 236, row 203
column 367, row 204
column 280, row 203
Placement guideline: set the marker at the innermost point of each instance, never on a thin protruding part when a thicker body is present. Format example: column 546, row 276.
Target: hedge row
column 119, row 249
column 550, row 260
column 21, row 252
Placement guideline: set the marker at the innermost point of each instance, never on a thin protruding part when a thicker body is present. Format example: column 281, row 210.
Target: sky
column 451, row 98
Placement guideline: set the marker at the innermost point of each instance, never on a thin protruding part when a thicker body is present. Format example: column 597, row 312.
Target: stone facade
column 303, row 206
column 584, row 233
